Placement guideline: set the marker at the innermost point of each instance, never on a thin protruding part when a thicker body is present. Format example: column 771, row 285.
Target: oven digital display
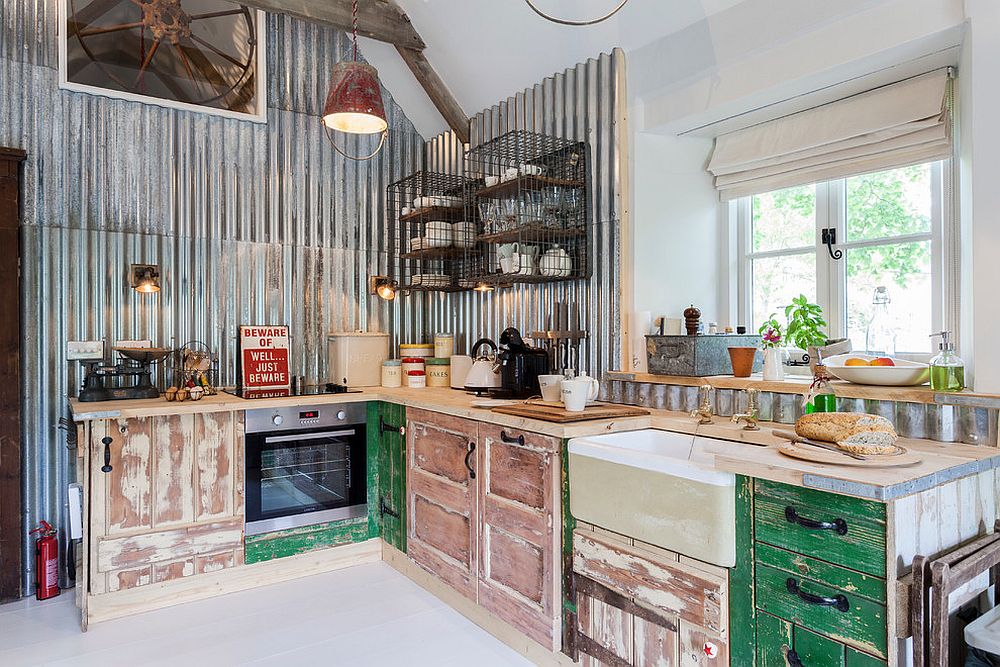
column 309, row 414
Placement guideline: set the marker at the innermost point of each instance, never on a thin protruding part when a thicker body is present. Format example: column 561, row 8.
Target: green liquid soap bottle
column 947, row 368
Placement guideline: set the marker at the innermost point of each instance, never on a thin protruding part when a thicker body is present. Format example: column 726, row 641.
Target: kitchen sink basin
column 658, row 487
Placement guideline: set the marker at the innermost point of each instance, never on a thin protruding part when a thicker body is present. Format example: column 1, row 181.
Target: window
column 889, row 227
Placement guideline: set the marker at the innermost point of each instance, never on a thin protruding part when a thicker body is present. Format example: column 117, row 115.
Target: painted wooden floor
column 365, row 615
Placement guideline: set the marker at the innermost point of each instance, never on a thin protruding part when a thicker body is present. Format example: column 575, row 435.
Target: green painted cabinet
column 387, row 433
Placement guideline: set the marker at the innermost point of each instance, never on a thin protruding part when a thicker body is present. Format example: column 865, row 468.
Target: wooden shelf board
column 534, row 232
column 434, row 213
column 513, row 186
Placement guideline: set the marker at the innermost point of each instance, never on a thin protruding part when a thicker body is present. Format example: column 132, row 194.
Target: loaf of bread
column 839, row 427
column 869, row 442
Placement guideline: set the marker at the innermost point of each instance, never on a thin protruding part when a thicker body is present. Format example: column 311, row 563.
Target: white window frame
column 831, row 274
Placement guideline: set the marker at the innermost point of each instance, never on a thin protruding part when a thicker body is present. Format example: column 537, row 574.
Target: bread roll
column 840, row 426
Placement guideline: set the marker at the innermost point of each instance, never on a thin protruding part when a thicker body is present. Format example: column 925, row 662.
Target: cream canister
column 416, row 350
column 392, row 373
column 444, row 345
column 411, row 364
column 438, row 372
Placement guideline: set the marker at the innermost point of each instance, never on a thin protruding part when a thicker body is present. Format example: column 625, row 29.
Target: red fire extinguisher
column 46, row 562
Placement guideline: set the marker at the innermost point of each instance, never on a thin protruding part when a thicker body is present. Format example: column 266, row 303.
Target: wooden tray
column 806, row 453
column 555, row 412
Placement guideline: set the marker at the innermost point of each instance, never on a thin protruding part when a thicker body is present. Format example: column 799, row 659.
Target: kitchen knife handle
column 519, row 440
column 106, row 468
column 838, row 525
column 468, row 456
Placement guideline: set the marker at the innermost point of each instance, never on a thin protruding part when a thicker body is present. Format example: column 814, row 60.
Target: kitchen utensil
column 807, row 453
column 903, row 374
column 355, row 358
column 485, row 372
column 795, row 437
column 129, row 379
column 559, row 414
column 550, row 387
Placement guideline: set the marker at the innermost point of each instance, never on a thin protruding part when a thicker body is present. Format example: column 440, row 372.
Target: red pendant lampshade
column 354, row 103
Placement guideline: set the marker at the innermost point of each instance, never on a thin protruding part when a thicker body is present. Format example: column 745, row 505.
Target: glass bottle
column 820, row 397
column 880, row 339
column 947, row 368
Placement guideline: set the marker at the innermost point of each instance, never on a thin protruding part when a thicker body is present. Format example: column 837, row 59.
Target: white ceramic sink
column 658, row 487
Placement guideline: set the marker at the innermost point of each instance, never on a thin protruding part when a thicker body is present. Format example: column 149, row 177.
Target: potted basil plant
column 805, row 331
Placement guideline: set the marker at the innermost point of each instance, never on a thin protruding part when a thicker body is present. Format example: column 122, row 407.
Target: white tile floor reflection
column 365, row 615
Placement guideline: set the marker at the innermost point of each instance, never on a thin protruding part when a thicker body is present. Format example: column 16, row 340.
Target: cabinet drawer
column 777, row 637
column 853, row 620
column 838, row 529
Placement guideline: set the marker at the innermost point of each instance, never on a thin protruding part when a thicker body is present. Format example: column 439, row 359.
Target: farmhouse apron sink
column 658, row 487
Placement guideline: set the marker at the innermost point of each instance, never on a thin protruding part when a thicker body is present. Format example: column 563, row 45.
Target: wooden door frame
column 11, row 530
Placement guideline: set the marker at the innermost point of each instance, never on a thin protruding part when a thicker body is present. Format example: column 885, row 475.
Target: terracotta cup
column 742, row 360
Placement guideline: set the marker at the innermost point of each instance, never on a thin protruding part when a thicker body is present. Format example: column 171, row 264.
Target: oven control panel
column 305, row 416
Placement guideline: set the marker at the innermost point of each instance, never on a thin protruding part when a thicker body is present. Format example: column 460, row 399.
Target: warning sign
column 264, row 357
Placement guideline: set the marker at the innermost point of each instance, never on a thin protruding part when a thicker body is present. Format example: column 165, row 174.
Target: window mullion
column 837, row 311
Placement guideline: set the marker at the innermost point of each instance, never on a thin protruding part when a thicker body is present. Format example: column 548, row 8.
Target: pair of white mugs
column 574, row 394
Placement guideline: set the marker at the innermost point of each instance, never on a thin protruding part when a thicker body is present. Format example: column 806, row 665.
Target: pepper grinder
column 692, row 318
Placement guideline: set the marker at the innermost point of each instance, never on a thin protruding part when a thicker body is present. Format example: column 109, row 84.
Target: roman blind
column 893, row 126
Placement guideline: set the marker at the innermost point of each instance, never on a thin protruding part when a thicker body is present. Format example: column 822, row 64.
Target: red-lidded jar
column 416, row 379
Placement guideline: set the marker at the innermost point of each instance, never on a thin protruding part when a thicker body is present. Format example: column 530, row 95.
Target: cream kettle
column 485, row 372
column 555, row 262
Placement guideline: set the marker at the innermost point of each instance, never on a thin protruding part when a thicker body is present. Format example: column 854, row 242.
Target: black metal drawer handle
column 384, row 509
column 383, row 427
column 106, row 468
column 838, row 602
column 519, row 440
column 468, row 455
column 838, row 525
column 792, row 659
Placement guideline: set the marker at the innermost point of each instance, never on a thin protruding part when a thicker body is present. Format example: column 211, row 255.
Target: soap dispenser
column 947, row 369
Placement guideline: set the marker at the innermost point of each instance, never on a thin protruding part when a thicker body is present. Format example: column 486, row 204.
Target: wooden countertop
column 753, row 453
column 799, row 385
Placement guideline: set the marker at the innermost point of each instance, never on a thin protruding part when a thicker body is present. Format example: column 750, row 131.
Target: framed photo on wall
column 198, row 55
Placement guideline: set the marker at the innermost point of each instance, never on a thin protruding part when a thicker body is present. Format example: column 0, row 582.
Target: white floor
column 365, row 615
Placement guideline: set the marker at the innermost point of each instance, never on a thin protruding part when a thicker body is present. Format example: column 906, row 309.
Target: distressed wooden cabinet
column 387, row 428
column 171, row 505
column 484, row 517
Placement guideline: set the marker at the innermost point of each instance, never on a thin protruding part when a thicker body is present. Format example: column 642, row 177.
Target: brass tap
column 752, row 414
column 704, row 412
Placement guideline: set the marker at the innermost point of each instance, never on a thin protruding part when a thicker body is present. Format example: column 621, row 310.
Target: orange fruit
column 882, row 361
column 855, row 361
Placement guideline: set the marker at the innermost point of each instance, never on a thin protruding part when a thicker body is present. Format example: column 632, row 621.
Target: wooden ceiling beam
column 377, row 19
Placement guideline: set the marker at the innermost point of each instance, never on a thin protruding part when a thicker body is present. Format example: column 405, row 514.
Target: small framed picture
column 199, row 55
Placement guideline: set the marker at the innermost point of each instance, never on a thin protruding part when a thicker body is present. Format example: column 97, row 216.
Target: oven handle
column 307, row 436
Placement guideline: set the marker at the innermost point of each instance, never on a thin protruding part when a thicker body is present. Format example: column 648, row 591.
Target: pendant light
column 548, row 17
column 354, row 103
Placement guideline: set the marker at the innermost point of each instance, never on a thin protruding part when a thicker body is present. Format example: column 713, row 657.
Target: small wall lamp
column 145, row 278
column 384, row 287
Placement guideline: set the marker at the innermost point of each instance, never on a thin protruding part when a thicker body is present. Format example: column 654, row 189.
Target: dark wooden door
column 441, row 487
column 11, row 530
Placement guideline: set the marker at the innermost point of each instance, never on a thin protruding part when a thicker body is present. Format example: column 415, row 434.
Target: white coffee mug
column 550, row 386
column 578, row 391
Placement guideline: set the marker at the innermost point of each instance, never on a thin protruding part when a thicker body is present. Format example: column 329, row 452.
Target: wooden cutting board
column 806, row 453
column 555, row 412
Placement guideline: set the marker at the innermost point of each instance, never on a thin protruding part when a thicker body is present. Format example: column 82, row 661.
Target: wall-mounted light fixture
column 483, row 287
column 145, row 278
column 384, row 286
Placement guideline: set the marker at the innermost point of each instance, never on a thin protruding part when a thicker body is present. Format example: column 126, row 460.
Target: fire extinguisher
column 46, row 562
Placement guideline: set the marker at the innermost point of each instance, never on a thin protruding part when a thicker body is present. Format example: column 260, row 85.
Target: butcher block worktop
column 753, row 453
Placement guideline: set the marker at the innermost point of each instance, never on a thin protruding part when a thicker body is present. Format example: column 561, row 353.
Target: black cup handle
column 838, row 602
column 468, row 455
column 106, row 468
column 519, row 440
column 838, row 525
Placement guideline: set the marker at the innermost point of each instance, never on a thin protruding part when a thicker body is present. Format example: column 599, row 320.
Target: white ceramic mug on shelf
column 551, row 387
column 579, row 391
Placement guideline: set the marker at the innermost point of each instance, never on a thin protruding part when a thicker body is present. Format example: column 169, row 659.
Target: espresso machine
column 520, row 366
column 130, row 378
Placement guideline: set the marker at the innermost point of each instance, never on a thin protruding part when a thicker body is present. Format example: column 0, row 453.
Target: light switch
column 85, row 349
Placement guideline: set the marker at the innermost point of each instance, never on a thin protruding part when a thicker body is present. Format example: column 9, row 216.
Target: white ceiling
column 487, row 50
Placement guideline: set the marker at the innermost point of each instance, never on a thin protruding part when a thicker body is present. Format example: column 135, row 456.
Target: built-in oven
column 305, row 465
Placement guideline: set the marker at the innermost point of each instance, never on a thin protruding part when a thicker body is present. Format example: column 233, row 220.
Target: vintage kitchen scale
column 128, row 379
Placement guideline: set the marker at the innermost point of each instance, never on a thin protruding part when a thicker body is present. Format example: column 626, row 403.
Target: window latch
column 829, row 239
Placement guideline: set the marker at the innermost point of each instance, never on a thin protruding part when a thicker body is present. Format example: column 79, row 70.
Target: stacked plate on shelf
column 430, row 280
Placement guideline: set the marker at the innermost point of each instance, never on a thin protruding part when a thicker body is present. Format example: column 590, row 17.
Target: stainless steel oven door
column 304, row 477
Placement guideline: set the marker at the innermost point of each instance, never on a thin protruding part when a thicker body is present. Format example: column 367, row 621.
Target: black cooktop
column 307, row 390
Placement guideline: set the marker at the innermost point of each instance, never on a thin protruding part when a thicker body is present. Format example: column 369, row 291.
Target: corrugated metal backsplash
column 250, row 223
column 584, row 103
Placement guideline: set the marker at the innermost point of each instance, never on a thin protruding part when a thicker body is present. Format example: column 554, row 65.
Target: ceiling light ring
column 381, row 142
column 548, row 17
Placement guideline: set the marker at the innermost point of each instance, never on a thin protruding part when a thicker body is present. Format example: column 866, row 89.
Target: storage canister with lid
column 416, row 350
column 416, row 379
column 411, row 364
column 439, row 372
column 444, row 345
column 392, row 373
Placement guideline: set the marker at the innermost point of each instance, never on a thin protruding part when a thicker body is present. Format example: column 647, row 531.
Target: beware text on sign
column 264, row 357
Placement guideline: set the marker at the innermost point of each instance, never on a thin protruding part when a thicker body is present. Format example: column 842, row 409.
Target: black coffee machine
column 520, row 366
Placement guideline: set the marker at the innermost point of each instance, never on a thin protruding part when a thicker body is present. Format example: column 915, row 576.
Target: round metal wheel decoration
column 570, row 22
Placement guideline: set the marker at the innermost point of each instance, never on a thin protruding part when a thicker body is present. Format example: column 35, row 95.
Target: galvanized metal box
column 697, row 356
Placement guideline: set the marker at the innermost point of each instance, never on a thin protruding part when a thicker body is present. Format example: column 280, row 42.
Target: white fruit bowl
column 903, row 374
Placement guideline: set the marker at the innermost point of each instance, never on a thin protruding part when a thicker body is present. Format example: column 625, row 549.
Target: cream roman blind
column 893, row 126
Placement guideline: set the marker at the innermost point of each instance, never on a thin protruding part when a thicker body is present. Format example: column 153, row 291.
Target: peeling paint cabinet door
column 388, row 428
column 442, row 500
column 166, row 498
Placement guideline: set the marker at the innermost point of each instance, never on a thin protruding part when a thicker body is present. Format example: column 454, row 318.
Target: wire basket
column 433, row 238
column 528, row 194
column 196, row 365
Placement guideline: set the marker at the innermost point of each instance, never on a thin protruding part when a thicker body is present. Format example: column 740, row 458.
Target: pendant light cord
column 354, row 28
column 538, row 11
column 381, row 142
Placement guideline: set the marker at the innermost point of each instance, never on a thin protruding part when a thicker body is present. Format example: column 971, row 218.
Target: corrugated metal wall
column 584, row 103
column 250, row 223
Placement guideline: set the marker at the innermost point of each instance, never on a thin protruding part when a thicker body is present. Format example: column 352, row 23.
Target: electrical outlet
column 85, row 349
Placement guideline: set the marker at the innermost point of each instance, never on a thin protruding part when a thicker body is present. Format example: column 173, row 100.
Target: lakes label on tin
column 264, row 358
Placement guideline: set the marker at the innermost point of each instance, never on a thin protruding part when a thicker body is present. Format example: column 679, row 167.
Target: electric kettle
column 485, row 372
